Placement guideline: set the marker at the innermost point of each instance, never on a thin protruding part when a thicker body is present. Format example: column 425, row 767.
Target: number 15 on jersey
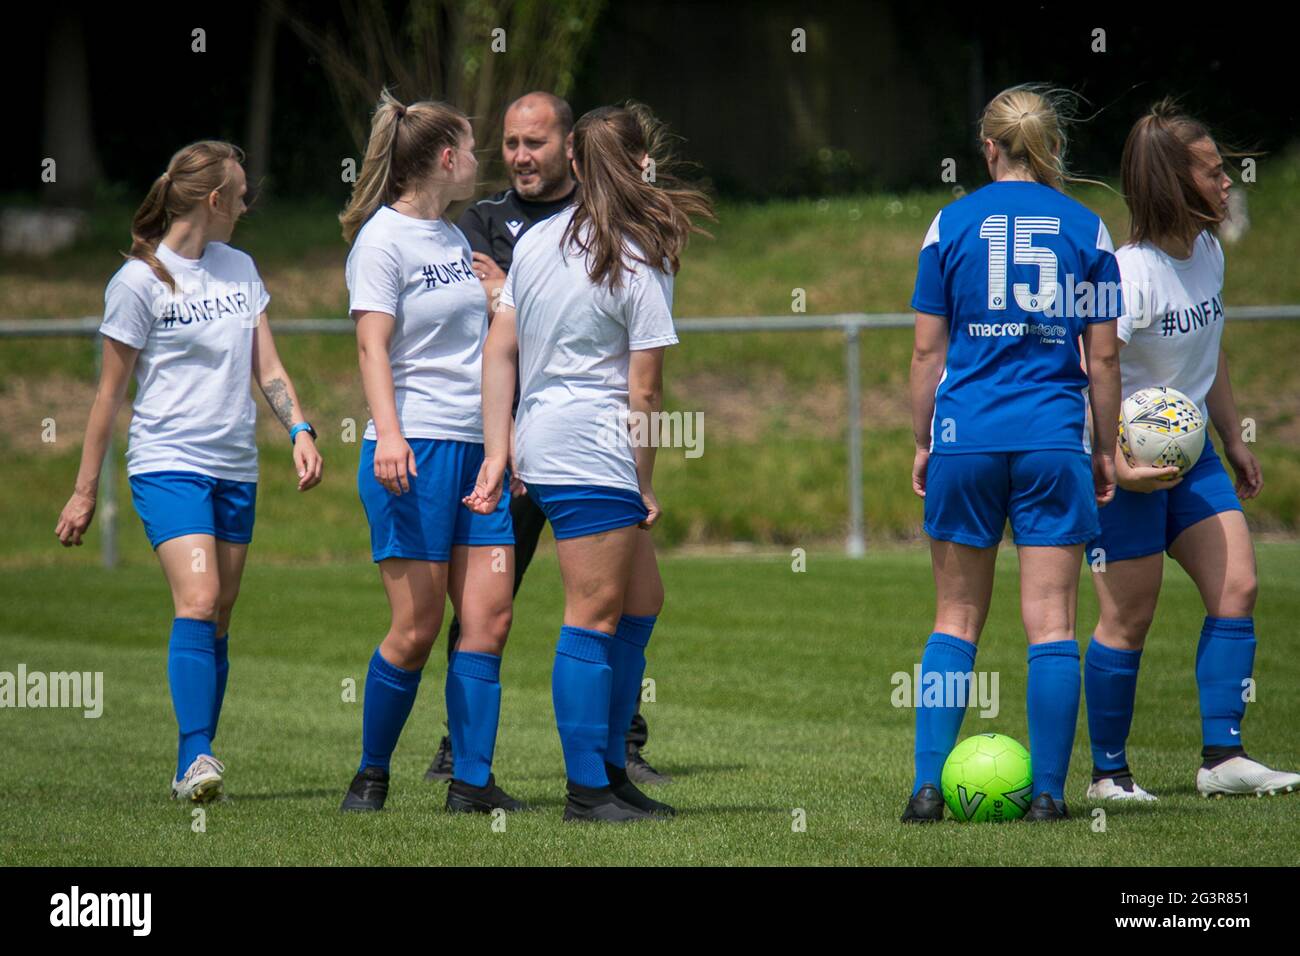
column 1023, row 230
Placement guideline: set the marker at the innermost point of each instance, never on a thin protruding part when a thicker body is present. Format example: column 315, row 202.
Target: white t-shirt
column 575, row 341
column 418, row 271
column 194, row 408
column 1173, row 318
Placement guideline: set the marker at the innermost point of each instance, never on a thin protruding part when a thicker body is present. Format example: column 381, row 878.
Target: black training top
column 494, row 224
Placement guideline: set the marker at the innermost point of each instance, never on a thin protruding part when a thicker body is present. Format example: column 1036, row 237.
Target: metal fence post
column 107, row 481
column 856, row 545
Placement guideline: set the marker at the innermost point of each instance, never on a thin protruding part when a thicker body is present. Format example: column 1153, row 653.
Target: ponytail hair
column 191, row 176
column 1156, row 170
column 620, row 200
column 404, row 145
column 1028, row 122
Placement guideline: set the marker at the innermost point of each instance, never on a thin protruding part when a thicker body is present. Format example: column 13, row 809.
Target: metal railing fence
column 850, row 323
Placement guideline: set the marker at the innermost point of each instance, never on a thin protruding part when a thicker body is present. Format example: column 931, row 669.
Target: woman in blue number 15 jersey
column 1010, row 279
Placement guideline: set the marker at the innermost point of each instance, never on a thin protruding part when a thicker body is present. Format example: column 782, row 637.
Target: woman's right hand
column 1103, row 478
column 394, row 461
column 920, row 464
column 517, row 487
column 1144, row 478
column 75, row 519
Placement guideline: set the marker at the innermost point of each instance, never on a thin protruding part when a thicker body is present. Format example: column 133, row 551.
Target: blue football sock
column 1225, row 659
column 627, row 661
column 937, row 726
column 192, row 675
column 1110, row 677
column 1053, row 712
column 221, row 654
column 473, row 711
column 390, row 694
column 580, row 688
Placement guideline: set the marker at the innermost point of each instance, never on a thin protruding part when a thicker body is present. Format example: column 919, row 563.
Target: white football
column 1161, row 426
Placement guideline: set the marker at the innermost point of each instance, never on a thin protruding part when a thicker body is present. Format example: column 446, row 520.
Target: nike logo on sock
column 1112, row 756
column 1235, row 733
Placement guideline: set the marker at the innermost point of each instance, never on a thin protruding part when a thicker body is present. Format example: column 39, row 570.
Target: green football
column 986, row 778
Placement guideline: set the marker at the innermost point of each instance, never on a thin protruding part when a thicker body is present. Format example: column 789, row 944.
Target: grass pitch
column 772, row 710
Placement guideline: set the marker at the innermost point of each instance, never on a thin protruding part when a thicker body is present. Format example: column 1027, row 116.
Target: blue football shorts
column 578, row 510
column 1136, row 524
column 1047, row 495
column 174, row 503
column 425, row 522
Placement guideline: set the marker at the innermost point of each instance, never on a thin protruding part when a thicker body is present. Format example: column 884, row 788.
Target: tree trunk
column 69, row 138
column 258, row 142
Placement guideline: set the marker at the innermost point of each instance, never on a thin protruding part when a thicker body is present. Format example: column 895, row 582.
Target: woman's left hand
column 307, row 461
column 1250, row 479
column 652, row 506
column 487, row 489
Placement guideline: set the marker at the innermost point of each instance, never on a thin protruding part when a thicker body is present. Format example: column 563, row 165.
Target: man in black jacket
column 537, row 145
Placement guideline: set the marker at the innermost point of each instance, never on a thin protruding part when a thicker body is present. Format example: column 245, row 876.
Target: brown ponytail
column 1156, row 170
column 617, row 202
column 191, row 176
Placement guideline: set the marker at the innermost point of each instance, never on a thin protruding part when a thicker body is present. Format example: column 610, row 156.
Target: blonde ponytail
column 1028, row 122
column 191, row 176
column 404, row 145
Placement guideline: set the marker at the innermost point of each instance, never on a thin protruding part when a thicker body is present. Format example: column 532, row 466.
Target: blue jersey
column 1018, row 269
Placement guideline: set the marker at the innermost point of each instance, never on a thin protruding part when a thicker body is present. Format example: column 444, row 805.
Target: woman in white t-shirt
column 421, row 318
column 1172, row 271
column 187, row 315
column 584, row 317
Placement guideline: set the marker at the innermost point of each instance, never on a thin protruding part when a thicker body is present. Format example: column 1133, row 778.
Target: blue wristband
column 300, row 427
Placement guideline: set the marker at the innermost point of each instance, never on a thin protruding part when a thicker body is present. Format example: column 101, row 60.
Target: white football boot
column 1118, row 788
column 1241, row 775
column 202, row 782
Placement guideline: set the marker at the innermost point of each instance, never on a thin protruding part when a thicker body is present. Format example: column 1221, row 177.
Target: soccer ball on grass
column 987, row 778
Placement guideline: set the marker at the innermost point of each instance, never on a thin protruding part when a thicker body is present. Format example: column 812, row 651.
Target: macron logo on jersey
column 994, row 329
column 514, row 225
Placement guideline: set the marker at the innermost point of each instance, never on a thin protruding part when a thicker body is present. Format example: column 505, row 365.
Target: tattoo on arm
column 277, row 396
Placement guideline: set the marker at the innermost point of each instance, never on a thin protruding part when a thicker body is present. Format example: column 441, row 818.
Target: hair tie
column 166, row 178
column 401, row 111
